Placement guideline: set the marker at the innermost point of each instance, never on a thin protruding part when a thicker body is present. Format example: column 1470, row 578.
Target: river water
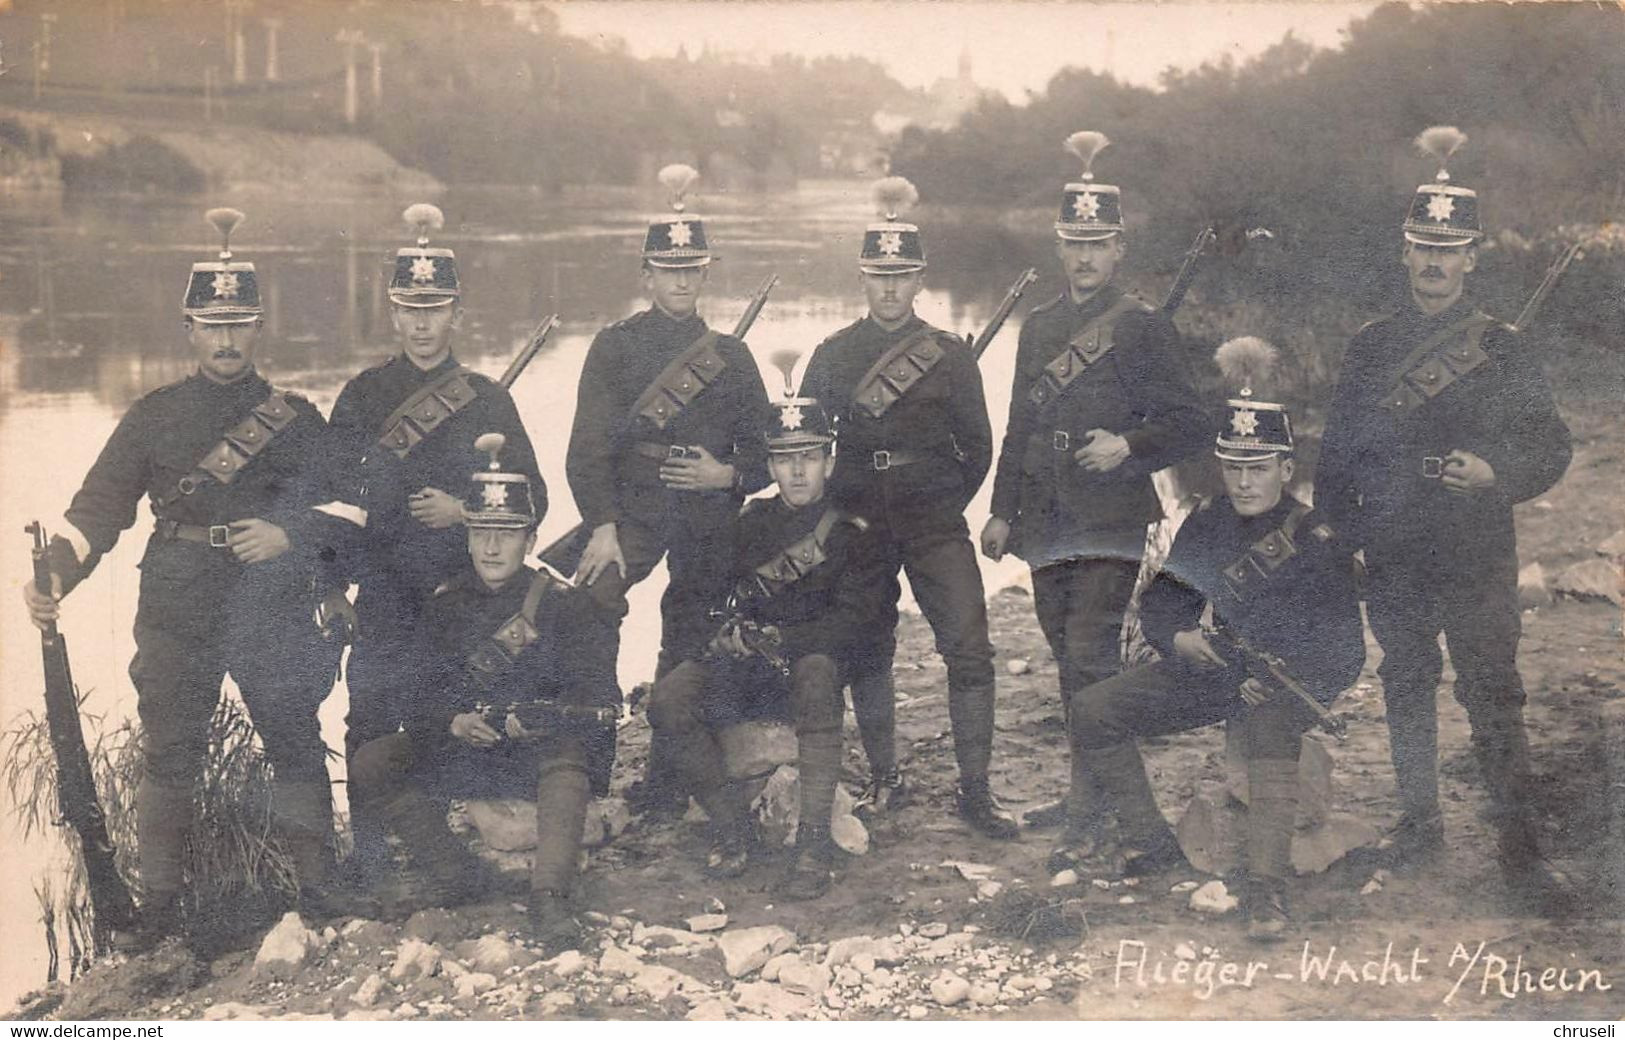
column 89, row 321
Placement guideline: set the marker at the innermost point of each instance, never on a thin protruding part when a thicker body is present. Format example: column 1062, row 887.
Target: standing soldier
column 1099, row 403
column 498, row 643
column 666, row 443
column 406, row 432
column 804, row 582
column 915, row 446
column 1440, row 424
column 226, row 583
column 1279, row 584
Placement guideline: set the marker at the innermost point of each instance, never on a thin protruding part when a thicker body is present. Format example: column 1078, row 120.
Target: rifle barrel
column 532, row 347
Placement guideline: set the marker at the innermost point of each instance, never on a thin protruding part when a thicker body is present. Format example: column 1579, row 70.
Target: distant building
column 938, row 107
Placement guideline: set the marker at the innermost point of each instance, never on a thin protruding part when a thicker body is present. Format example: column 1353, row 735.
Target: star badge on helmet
column 225, row 286
column 423, row 271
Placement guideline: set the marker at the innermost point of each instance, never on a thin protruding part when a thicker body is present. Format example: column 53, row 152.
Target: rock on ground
column 285, row 948
column 1213, row 898
column 746, row 949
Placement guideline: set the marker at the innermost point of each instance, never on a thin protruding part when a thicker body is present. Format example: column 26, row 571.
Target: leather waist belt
column 213, row 536
column 1063, row 440
column 883, row 460
column 656, row 450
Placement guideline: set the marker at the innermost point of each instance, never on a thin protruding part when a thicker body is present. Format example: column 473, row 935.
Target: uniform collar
column 908, row 328
column 251, row 384
column 1094, row 306
column 1264, row 521
column 427, row 374
column 1413, row 315
column 663, row 324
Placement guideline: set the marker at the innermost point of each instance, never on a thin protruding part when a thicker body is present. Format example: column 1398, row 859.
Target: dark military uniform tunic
column 400, row 561
column 1083, row 532
column 614, row 461
column 461, row 617
column 1438, row 561
column 917, row 507
column 1298, row 602
column 825, row 617
column 201, row 613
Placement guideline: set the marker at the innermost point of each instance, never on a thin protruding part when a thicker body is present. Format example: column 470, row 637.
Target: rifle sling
column 897, row 371
column 424, row 410
column 1086, row 347
column 683, row 379
column 1437, row 362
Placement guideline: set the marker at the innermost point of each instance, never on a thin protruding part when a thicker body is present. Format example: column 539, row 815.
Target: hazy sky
column 1015, row 47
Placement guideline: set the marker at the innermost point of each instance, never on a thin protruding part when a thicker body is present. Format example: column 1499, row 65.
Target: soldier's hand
column 1103, row 452
column 43, row 610
column 702, row 474
column 336, row 618
column 1254, row 692
column 995, row 535
column 256, row 540
column 730, row 643
column 1466, row 473
column 474, row 731
column 435, row 509
column 603, row 551
column 1193, row 648
column 514, row 728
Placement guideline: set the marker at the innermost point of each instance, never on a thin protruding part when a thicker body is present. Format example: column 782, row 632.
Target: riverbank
column 145, row 156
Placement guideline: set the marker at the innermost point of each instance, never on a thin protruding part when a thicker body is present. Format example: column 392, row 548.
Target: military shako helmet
column 1254, row 429
column 424, row 276
column 799, row 423
column 223, row 291
column 498, row 499
column 677, row 240
column 1090, row 211
column 1443, row 214
column 892, row 246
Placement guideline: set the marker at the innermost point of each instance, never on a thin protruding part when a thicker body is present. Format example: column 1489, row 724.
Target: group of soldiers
column 473, row 673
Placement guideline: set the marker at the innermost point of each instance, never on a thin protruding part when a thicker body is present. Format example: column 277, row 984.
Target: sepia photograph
column 776, row 510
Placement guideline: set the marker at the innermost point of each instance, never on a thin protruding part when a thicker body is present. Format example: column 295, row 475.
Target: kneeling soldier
column 802, row 602
column 503, row 704
column 1281, row 587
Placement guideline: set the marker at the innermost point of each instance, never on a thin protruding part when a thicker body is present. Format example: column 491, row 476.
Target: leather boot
column 976, row 803
column 454, row 874
column 163, row 816
column 884, row 795
column 808, row 875
column 1148, row 840
column 304, row 818
column 970, row 716
column 874, row 705
column 553, row 922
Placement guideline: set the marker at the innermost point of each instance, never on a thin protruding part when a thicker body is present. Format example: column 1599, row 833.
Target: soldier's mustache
column 1432, row 272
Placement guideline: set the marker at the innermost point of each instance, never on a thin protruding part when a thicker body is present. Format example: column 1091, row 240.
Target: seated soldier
column 802, row 594
column 1278, row 583
column 498, row 644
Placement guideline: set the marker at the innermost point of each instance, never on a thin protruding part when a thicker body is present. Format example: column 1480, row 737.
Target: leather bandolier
column 424, row 410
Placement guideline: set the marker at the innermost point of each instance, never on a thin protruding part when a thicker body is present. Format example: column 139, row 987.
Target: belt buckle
column 217, row 535
column 1061, row 441
column 882, row 460
column 1432, row 467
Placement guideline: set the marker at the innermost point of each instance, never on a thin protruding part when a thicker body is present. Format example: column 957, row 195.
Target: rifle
column 980, row 344
column 532, row 347
column 761, row 640
column 1193, row 255
column 1270, row 669
column 564, row 553
column 757, row 302
column 1187, row 270
column 539, row 716
column 77, row 800
column 1544, row 289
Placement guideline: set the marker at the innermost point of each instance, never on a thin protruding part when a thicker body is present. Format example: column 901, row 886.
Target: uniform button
column 686, row 384
column 251, row 435
column 1431, row 377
